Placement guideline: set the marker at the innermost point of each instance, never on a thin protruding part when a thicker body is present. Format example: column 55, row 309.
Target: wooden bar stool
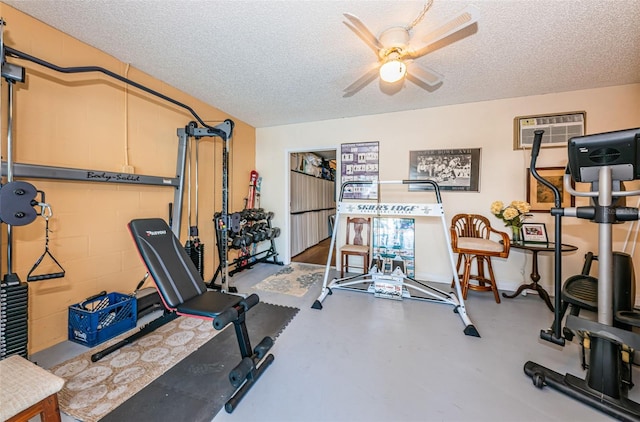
column 471, row 239
column 26, row 390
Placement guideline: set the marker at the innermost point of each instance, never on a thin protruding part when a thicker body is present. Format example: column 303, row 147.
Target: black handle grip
column 144, row 330
column 537, row 141
column 46, row 277
column 99, row 355
column 94, row 297
column 224, row 318
column 141, row 282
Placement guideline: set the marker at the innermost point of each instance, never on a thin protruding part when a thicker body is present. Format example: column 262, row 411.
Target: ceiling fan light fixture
column 393, row 70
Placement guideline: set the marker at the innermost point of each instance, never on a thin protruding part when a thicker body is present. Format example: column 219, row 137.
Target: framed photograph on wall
column 534, row 232
column 451, row 169
column 558, row 129
column 359, row 162
column 540, row 197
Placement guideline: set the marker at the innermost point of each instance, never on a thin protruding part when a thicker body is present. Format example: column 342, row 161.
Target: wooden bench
column 26, row 390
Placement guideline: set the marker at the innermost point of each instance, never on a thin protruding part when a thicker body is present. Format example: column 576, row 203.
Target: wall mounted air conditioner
column 558, row 129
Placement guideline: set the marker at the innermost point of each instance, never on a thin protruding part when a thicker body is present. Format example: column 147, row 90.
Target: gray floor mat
column 198, row 387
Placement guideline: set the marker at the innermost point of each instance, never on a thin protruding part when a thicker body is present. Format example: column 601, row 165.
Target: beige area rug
column 295, row 279
column 93, row 389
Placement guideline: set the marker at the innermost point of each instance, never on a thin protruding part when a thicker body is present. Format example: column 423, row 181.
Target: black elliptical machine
column 605, row 160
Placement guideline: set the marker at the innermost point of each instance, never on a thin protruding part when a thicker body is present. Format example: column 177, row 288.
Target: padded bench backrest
column 176, row 276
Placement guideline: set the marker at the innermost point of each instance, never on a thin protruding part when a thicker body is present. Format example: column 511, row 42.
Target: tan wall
column 91, row 121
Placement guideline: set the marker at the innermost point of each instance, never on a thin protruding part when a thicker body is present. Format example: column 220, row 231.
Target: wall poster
column 359, row 162
column 451, row 169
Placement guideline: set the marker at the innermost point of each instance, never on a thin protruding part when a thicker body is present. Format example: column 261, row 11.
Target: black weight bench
column 183, row 292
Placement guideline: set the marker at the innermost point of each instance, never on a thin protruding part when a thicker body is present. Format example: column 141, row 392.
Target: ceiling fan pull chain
column 417, row 20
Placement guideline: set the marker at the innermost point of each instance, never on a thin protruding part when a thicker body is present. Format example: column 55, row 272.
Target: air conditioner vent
column 558, row 129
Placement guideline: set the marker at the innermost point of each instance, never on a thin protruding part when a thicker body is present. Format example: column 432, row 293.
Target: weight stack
column 13, row 319
column 195, row 250
column 197, row 256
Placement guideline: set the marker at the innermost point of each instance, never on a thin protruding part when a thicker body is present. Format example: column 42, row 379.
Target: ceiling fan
column 396, row 56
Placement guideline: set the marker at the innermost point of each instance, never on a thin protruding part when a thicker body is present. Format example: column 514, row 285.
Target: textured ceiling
column 281, row 62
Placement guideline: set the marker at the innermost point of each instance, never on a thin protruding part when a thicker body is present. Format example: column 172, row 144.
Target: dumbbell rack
column 246, row 229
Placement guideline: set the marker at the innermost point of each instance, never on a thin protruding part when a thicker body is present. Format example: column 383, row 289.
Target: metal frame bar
column 223, row 130
column 36, row 171
column 86, row 175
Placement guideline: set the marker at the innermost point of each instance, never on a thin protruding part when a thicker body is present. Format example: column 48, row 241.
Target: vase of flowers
column 513, row 216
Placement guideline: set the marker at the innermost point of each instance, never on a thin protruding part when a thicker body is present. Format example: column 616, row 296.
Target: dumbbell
column 232, row 235
column 260, row 214
column 269, row 233
column 252, row 215
column 264, row 228
column 249, row 237
column 258, row 234
column 236, row 242
column 242, row 239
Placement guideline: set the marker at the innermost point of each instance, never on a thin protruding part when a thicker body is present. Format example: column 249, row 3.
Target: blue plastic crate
column 100, row 318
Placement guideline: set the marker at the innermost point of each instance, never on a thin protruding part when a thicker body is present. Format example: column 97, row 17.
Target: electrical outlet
column 127, row 169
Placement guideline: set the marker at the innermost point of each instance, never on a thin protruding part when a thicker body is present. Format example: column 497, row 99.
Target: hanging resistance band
column 46, row 213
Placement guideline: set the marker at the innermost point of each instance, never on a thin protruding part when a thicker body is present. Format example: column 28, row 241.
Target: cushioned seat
column 479, row 244
column 208, row 303
column 26, row 390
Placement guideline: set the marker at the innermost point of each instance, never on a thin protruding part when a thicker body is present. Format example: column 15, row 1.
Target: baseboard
column 503, row 285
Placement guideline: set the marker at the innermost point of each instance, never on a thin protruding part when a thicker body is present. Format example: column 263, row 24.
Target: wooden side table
column 535, row 249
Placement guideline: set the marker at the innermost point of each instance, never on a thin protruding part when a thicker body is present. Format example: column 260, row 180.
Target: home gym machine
column 406, row 286
column 223, row 131
column 604, row 160
column 15, row 73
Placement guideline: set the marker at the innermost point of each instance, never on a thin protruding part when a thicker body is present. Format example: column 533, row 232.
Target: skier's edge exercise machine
column 604, row 160
column 409, row 285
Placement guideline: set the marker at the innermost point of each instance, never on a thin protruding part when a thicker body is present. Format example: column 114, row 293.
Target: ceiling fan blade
column 362, row 81
column 422, row 75
column 463, row 20
column 363, row 32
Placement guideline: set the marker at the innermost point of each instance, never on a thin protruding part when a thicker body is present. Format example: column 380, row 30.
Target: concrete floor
column 362, row 358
